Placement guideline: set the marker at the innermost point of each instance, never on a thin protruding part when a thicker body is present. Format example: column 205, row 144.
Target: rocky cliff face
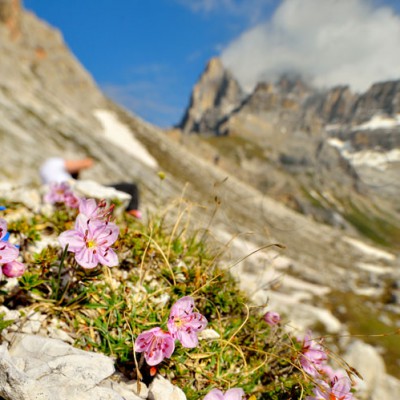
column 218, row 91
column 335, row 142
column 215, row 95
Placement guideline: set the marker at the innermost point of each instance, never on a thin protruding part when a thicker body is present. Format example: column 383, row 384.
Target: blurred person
column 58, row 170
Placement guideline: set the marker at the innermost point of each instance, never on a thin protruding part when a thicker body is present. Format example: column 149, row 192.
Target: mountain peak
column 216, row 94
column 214, row 67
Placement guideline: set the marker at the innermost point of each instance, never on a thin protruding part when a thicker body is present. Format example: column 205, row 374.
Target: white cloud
column 328, row 41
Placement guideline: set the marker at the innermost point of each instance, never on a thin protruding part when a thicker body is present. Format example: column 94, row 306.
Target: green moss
column 373, row 224
column 229, row 145
column 362, row 320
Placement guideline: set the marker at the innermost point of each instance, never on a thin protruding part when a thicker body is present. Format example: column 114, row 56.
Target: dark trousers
column 132, row 190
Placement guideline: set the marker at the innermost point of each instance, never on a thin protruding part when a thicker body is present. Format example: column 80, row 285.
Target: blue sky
column 148, row 54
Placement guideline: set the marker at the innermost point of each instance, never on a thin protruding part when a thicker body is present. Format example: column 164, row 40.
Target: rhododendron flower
column 313, row 356
column 231, row 394
column 338, row 389
column 272, row 318
column 92, row 210
column 183, row 323
column 91, row 242
column 156, row 345
column 61, row 193
column 13, row 269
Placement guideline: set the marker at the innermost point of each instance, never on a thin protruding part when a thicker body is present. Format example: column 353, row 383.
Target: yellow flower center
column 90, row 244
column 178, row 322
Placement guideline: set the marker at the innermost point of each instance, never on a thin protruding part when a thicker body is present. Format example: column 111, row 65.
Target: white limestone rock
column 22, row 194
column 92, row 189
column 14, row 383
column 40, row 368
column 126, row 390
column 162, row 389
column 376, row 383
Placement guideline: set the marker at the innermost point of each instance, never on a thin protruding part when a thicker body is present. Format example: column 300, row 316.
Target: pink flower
column 272, row 318
column 13, row 269
column 338, row 389
column 313, row 356
column 8, row 252
column 156, row 345
column 71, row 200
column 183, row 323
column 91, row 242
column 92, row 210
column 231, row 394
column 61, row 193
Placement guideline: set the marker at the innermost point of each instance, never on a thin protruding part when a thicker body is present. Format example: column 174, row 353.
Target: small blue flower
column 6, row 237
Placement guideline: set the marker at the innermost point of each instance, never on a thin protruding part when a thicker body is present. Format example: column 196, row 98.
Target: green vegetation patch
column 106, row 309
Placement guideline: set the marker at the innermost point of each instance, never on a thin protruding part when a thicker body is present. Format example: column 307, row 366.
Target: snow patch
column 370, row 250
column 379, row 122
column 374, row 159
column 375, row 269
column 120, row 135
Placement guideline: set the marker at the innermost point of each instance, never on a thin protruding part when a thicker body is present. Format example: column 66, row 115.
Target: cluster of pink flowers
column 231, row 394
column 92, row 236
column 183, row 325
column 10, row 267
column 337, row 387
column 330, row 385
column 61, row 193
column 313, row 356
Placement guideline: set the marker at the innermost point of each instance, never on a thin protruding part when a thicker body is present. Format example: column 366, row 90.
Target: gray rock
column 14, row 383
column 376, row 384
column 162, row 389
column 62, row 371
column 40, row 368
column 125, row 390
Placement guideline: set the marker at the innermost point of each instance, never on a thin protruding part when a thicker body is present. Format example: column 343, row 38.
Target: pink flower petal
column 107, row 233
column 13, row 269
column 231, row 394
column 3, row 228
column 72, row 238
column 272, row 318
column 156, row 345
column 109, row 258
column 234, row 394
column 183, row 306
column 187, row 339
column 88, row 207
column 90, row 240
column 214, row 394
column 183, row 323
column 86, row 259
column 8, row 252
